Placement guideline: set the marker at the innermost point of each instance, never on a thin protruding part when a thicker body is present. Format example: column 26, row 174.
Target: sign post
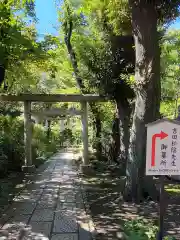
column 161, row 210
column 163, row 157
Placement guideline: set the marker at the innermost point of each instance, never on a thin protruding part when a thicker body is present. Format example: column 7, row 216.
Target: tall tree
column 13, row 41
column 69, row 23
column 145, row 18
column 104, row 48
column 170, row 58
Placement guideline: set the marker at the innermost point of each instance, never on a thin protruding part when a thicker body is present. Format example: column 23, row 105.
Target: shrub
column 11, row 142
column 42, row 148
column 12, row 145
column 141, row 229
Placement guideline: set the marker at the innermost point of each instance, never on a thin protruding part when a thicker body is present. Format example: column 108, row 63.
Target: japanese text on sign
column 163, row 148
column 173, row 147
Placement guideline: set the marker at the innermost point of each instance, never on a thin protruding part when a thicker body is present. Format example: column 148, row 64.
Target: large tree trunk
column 147, row 77
column 124, row 113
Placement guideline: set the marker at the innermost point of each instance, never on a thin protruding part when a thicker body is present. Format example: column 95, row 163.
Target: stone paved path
column 53, row 207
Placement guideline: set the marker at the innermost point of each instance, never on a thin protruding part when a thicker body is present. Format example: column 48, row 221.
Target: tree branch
column 68, row 27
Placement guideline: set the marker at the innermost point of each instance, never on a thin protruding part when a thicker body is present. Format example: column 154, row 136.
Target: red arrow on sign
column 160, row 135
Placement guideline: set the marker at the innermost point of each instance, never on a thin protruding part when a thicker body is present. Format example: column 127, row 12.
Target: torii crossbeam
column 29, row 98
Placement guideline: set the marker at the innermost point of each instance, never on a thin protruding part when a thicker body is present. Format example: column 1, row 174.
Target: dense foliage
column 95, row 52
column 101, row 56
column 122, row 50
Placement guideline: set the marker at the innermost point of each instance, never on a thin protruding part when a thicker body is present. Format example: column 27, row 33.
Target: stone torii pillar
column 28, row 166
column 84, row 119
column 61, row 125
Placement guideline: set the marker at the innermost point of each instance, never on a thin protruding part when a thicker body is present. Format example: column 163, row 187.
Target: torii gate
column 52, row 113
column 29, row 98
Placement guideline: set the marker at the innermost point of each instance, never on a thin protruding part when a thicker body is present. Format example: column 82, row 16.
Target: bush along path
column 52, row 207
column 115, row 219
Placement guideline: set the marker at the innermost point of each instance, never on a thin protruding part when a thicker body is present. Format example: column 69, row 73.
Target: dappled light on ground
column 21, row 231
column 59, row 205
column 52, row 207
column 110, row 213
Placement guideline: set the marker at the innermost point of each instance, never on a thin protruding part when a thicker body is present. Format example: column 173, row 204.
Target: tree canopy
column 120, row 49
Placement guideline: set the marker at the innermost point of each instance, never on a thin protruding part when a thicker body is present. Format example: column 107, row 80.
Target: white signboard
column 163, row 148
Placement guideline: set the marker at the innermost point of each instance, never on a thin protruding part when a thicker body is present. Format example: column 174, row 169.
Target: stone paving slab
column 20, row 218
column 27, row 198
column 36, row 186
column 52, row 208
column 65, row 214
column 65, row 236
column 66, row 206
column 42, row 227
column 69, row 198
column 42, row 215
column 49, row 196
column 32, row 191
column 65, row 225
column 18, row 208
column 44, row 204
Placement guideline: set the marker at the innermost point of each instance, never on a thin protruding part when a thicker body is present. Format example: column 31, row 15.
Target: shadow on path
column 52, row 207
column 110, row 213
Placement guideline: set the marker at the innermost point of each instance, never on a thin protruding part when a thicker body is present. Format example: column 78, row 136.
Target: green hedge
column 12, row 145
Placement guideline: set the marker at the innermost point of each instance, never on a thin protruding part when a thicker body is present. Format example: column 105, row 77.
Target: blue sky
column 47, row 14
column 176, row 24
